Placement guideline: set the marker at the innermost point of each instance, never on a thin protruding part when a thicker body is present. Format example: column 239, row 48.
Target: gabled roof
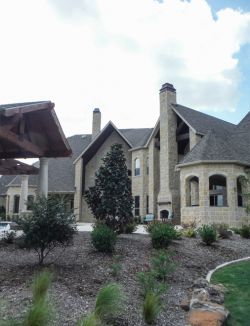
column 133, row 137
column 200, row 122
column 31, row 129
column 222, row 145
column 61, row 170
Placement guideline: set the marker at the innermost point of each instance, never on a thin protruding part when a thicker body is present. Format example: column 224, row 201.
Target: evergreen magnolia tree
column 110, row 200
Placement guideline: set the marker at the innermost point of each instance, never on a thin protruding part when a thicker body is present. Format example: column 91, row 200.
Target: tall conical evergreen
column 110, row 200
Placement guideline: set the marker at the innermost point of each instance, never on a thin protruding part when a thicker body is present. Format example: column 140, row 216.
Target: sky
column 116, row 54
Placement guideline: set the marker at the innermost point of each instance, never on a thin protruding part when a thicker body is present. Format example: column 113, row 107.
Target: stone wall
column 154, row 176
column 140, row 182
column 78, row 189
column 93, row 166
column 204, row 213
column 193, row 138
column 11, row 192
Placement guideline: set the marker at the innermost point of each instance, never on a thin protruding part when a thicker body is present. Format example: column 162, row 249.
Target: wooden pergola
column 30, row 130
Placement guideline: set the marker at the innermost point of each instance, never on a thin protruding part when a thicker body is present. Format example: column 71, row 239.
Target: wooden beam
column 10, row 111
column 182, row 137
column 24, row 144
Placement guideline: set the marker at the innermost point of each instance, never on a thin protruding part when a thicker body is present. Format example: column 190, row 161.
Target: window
column 16, row 204
column 192, row 191
column 137, row 205
column 218, row 190
column 147, row 165
column 30, row 202
column 239, row 192
column 137, row 166
column 147, row 204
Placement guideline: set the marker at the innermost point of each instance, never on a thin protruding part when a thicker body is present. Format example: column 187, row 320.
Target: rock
column 205, row 318
column 208, row 306
column 216, row 293
column 200, row 283
column 200, row 294
column 184, row 304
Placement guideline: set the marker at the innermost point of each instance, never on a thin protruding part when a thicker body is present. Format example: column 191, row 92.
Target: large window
column 192, row 191
column 218, row 190
column 137, row 205
column 239, row 192
column 30, row 202
column 137, row 166
column 16, row 204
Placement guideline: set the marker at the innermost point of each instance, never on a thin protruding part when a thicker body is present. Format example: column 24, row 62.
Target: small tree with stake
column 48, row 226
column 110, row 200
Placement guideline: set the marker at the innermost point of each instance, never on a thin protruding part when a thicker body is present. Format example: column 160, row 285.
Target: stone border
column 210, row 273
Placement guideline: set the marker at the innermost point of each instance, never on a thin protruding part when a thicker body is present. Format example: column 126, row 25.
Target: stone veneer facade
column 230, row 214
column 161, row 184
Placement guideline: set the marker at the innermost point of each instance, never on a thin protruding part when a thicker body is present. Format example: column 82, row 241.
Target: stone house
column 189, row 166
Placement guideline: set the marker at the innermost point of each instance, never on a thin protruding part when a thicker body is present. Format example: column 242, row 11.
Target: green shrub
column 149, row 227
column 245, row 231
column 129, row 228
column 223, row 230
column 9, row 236
column 109, row 303
column 149, row 283
column 162, row 235
column 103, row 238
column 49, row 225
column 162, row 265
column 190, row 233
column 40, row 312
column 116, row 266
column 90, row 320
column 151, row 307
column 235, row 230
column 208, row 234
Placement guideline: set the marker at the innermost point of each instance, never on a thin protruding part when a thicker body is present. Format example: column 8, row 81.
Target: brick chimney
column 168, row 198
column 96, row 124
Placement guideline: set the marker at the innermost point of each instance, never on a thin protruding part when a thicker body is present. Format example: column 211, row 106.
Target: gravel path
column 79, row 272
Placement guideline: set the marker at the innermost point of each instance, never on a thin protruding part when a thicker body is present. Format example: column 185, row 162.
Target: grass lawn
column 236, row 278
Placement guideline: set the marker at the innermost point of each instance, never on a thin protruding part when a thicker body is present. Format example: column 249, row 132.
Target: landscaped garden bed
column 80, row 271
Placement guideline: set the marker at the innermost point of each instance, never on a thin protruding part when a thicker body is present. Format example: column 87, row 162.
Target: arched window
column 218, row 190
column 239, row 192
column 30, row 202
column 16, row 204
column 192, row 191
column 137, row 166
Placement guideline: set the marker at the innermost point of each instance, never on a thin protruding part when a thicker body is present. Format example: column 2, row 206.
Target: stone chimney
column 168, row 198
column 96, row 125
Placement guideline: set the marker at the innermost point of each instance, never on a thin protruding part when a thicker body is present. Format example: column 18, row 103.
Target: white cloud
column 115, row 54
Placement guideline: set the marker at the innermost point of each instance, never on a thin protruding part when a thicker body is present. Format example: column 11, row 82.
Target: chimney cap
column 167, row 87
column 96, row 110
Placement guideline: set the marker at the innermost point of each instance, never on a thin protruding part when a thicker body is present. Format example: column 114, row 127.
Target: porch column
column 43, row 177
column 23, row 194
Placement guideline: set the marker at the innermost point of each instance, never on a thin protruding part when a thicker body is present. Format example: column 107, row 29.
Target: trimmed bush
column 151, row 308
column 162, row 234
column 223, row 230
column 245, row 231
column 208, row 234
column 103, row 238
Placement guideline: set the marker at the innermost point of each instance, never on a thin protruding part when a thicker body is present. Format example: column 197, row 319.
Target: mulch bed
column 79, row 272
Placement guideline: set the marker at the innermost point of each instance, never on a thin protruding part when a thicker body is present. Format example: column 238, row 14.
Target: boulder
column 208, row 306
column 184, row 304
column 200, row 283
column 205, row 318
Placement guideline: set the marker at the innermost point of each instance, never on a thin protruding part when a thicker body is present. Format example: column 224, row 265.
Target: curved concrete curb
column 210, row 273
